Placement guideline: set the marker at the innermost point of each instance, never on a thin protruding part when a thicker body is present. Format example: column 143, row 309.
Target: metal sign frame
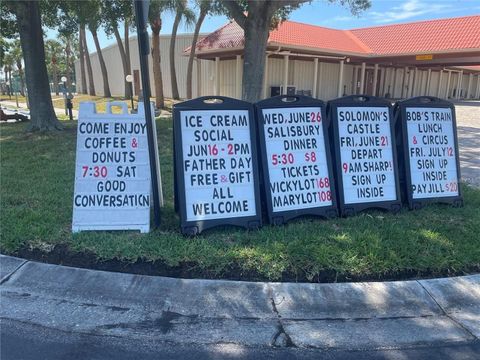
column 213, row 103
column 297, row 101
column 400, row 113
column 141, row 17
column 361, row 101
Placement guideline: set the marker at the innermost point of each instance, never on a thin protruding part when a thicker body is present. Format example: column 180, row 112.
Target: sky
column 323, row 13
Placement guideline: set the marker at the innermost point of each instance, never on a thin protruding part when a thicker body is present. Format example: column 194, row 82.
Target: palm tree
column 91, row 83
column 53, row 49
column 16, row 52
column 113, row 11
column 71, row 55
column 68, row 42
column 81, row 50
column 93, row 24
column 8, row 62
column 205, row 7
column 4, row 46
column 181, row 11
column 155, row 20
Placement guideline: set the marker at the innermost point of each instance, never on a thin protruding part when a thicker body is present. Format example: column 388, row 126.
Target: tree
column 204, row 6
column 126, row 37
column 81, row 50
column 181, row 10
column 93, row 23
column 112, row 12
column 53, row 50
column 4, row 46
column 91, row 83
column 8, row 62
column 28, row 19
column 69, row 43
column 256, row 18
column 66, row 15
column 16, row 52
column 81, row 11
column 155, row 20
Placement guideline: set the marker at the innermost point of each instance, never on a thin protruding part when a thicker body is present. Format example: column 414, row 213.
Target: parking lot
column 468, row 127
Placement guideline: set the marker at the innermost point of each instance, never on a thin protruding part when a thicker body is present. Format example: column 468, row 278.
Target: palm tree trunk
column 124, row 61
column 156, row 64
column 22, row 81
column 198, row 25
column 91, row 83
column 42, row 115
column 82, row 63
column 68, row 51
column 10, row 87
column 4, row 87
column 106, row 85
column 173, row 72
column 55, row 76
column 127, row 48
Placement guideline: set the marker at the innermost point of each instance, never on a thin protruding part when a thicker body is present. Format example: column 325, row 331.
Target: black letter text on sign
column 215, row 164
column 430, row 151
column 112, row 170
column 365, row 154
column 298, row 177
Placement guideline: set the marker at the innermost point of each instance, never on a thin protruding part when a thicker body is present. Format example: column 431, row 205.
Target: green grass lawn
column 59, row 102
column 37, row 176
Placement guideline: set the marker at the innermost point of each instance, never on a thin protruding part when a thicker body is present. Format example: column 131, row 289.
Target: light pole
column 64, row 90
column 129, row 79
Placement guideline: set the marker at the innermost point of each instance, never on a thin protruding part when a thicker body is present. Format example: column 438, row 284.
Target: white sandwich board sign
column 112, row 170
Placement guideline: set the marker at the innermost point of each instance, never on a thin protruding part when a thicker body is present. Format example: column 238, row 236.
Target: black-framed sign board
column 365, row 153
column 215, row 164
column 430, row 149
column 297, row 169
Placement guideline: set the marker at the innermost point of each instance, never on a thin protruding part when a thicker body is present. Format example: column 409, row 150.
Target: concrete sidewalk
column 468, row 129
column 350, row 316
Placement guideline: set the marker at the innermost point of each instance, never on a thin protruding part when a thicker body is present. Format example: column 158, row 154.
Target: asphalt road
column 25, row 341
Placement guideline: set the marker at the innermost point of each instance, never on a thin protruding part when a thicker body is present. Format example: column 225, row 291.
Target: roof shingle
column 422, row 36
column 294, row 33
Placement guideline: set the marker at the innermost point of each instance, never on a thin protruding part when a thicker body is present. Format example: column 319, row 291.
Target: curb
column 349, row 316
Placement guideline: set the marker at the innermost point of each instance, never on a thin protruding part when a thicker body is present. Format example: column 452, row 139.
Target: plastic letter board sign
column 430, row 151
column 216, row 169
column 112, row 170
column 365, row 154
column 295, row 151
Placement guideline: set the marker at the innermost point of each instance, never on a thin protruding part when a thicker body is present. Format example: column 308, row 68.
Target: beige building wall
column 111, row 55
column 227, row 78
column 300, row 74
column 275, row 73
